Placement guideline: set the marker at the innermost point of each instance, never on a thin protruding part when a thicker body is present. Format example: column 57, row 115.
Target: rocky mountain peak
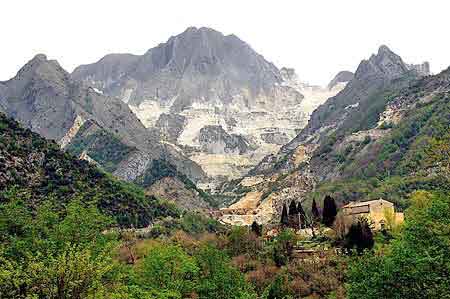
column 211, row 95
column 40, row 56
column 199, row 63
column 385, row 64
column 43, row 70
column 383, row 49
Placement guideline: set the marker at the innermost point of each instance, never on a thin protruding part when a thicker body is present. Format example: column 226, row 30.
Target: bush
column 416, row 265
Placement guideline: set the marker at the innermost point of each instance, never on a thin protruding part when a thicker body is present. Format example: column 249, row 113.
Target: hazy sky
column 317, row 38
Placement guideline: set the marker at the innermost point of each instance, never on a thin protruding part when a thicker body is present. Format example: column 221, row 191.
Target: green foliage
column 46, row 173
column 190, row 222
column 396, row 189
column 195, row 223
column 160, row 169
column 168, row 269
column 278, row 289
column 359, row 236
column 241, row 240
column 421, row 141
column 101, row 145
column 56, row 255
column 416, row 265
column 283, row 247
column 218, row 279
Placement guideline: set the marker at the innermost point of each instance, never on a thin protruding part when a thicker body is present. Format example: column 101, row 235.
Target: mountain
column 199, row 64
column 202, row 79
column 406, row 150
column 88, row 124
column 358, row 106
column 338, row 132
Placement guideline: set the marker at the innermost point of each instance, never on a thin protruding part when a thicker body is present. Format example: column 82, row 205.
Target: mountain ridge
column 315, row 154
column 201, row 78
column 43, row 98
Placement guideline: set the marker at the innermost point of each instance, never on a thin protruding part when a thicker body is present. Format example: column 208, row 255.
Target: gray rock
column 170, row 126
column 200, row 63
column 371, row 77
column 44, row 98
column 215, row 140
column 279, row 138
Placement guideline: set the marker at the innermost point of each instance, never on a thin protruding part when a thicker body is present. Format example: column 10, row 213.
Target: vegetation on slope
column 412, row 155
column 102, row 146
column 160, row 169
column 34, row 166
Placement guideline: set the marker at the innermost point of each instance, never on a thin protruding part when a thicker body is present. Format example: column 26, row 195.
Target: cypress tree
column 367, row 241
column 293, row 215
column 329, row 211
column 315, row 211
column 302, row 215
column 359, row 236
column 256, row 228
column 284, row 216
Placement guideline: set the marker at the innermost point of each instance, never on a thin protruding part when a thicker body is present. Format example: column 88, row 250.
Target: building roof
column 366, row 203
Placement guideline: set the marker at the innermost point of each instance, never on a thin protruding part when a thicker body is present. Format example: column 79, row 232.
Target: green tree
column 329, row 211
column 284, row 216
column 283, row 247
column 38, row 259
column 278, row 288
column 168, row 268
column 218, row 279
column 416, row 265
column 359, row 236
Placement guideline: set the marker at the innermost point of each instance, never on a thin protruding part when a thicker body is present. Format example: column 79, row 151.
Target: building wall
column 380, row 214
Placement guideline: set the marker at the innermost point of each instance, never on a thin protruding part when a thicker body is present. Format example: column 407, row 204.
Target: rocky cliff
column 85, row 122
column 202, row 79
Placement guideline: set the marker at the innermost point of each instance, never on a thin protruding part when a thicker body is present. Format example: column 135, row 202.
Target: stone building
column 380, row 212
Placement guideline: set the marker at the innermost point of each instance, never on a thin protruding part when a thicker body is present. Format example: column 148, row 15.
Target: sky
column 318, row 38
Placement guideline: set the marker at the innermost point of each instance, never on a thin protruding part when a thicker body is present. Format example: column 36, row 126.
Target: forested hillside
column 39, row 171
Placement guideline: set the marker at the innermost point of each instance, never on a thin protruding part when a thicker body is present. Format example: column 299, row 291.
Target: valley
column 200, row 169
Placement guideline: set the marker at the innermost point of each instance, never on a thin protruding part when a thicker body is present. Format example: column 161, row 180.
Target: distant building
column 381, row 212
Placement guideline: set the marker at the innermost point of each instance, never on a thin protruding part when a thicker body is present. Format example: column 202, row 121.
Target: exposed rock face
column 37, row 98
column 211, row 81
column 371, row 77
column 170, row 126
column 215, row 140
column 341, row 77
column 199, row 64
column 44, row 98
column 349, row 117
column 275, row 137
column 384, row 65
column 171, row 188
column 77, row 124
